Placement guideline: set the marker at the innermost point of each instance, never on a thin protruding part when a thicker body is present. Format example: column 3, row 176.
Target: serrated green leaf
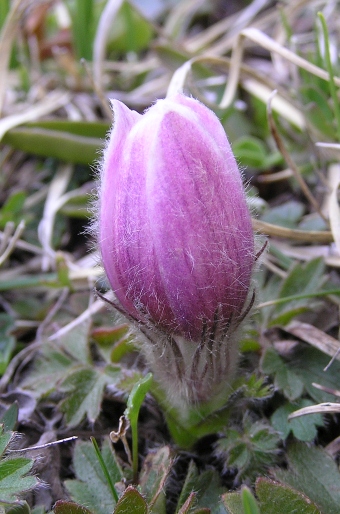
column 155, row 470
column 289, row 383
column 285, row 379
column 304, row 428
column 309, row 364
column 239, row 456
column 10, row 418
column 76, row 342
column 313, row 472
column 67, row 507
column 91, row 488
column 13, row 478
column 131, row 501
column 285, row 498
column 49, row 369
column 251, row 450
column 5, row 438
column 207, row 488
column 187, row 488
column 233, row 502
column 84, row 388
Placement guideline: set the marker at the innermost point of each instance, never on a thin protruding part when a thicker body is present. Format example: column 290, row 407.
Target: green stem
column 295, row 297
column 105, row 470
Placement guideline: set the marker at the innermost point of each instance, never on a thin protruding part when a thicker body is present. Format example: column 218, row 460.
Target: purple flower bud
column 175, row 232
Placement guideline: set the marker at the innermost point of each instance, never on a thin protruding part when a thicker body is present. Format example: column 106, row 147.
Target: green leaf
column 249, row 503
column 187, row 488
column 251, row 151
column 130, row 31
column 83, row 27
column 313, row 472
column 91, row 488
column 49, row 369
column 302, row 279
column 76, row 343
column 296, row 292
column 5, row 438
column 285, row 215
column 285, row 498
column 304, row 428
column 113, row 342
column 308, row 364
column 131, row 502
column 251, row 450
column 13, row 478
column 318, row 111
column 85, row 388
column 12, row 209
column 134, row 403
column 155, row 470
column 285, row 379
column 7, row 340
column 53, row 143
column 207, row 489
column 10, row 418
column 67, row 507
column 233, row 502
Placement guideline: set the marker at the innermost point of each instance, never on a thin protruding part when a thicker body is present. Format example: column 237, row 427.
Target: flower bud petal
column 175, row 231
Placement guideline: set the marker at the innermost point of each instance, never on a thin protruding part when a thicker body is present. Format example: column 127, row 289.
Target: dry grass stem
column 45, row 230
column 269, row 44
column 315, row 337
column 282, row 148
column 306, row 253
column 323, row 408
column 100, row 42
column 52, row 102
column 334, row 209
column 308, row 236
column 12, row 242
column 95, row 307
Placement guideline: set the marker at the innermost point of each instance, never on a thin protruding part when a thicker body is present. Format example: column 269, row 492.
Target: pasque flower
column 176, row 240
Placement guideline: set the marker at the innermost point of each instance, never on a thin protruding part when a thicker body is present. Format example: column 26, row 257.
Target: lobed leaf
column 285, row 498
column 90, row 488
column 313, row 472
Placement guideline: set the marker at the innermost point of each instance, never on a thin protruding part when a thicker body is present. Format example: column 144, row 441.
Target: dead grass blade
column 315, row 337
column 321, row 408
column 308, row 236
column 7, row 37
column 50, row 103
